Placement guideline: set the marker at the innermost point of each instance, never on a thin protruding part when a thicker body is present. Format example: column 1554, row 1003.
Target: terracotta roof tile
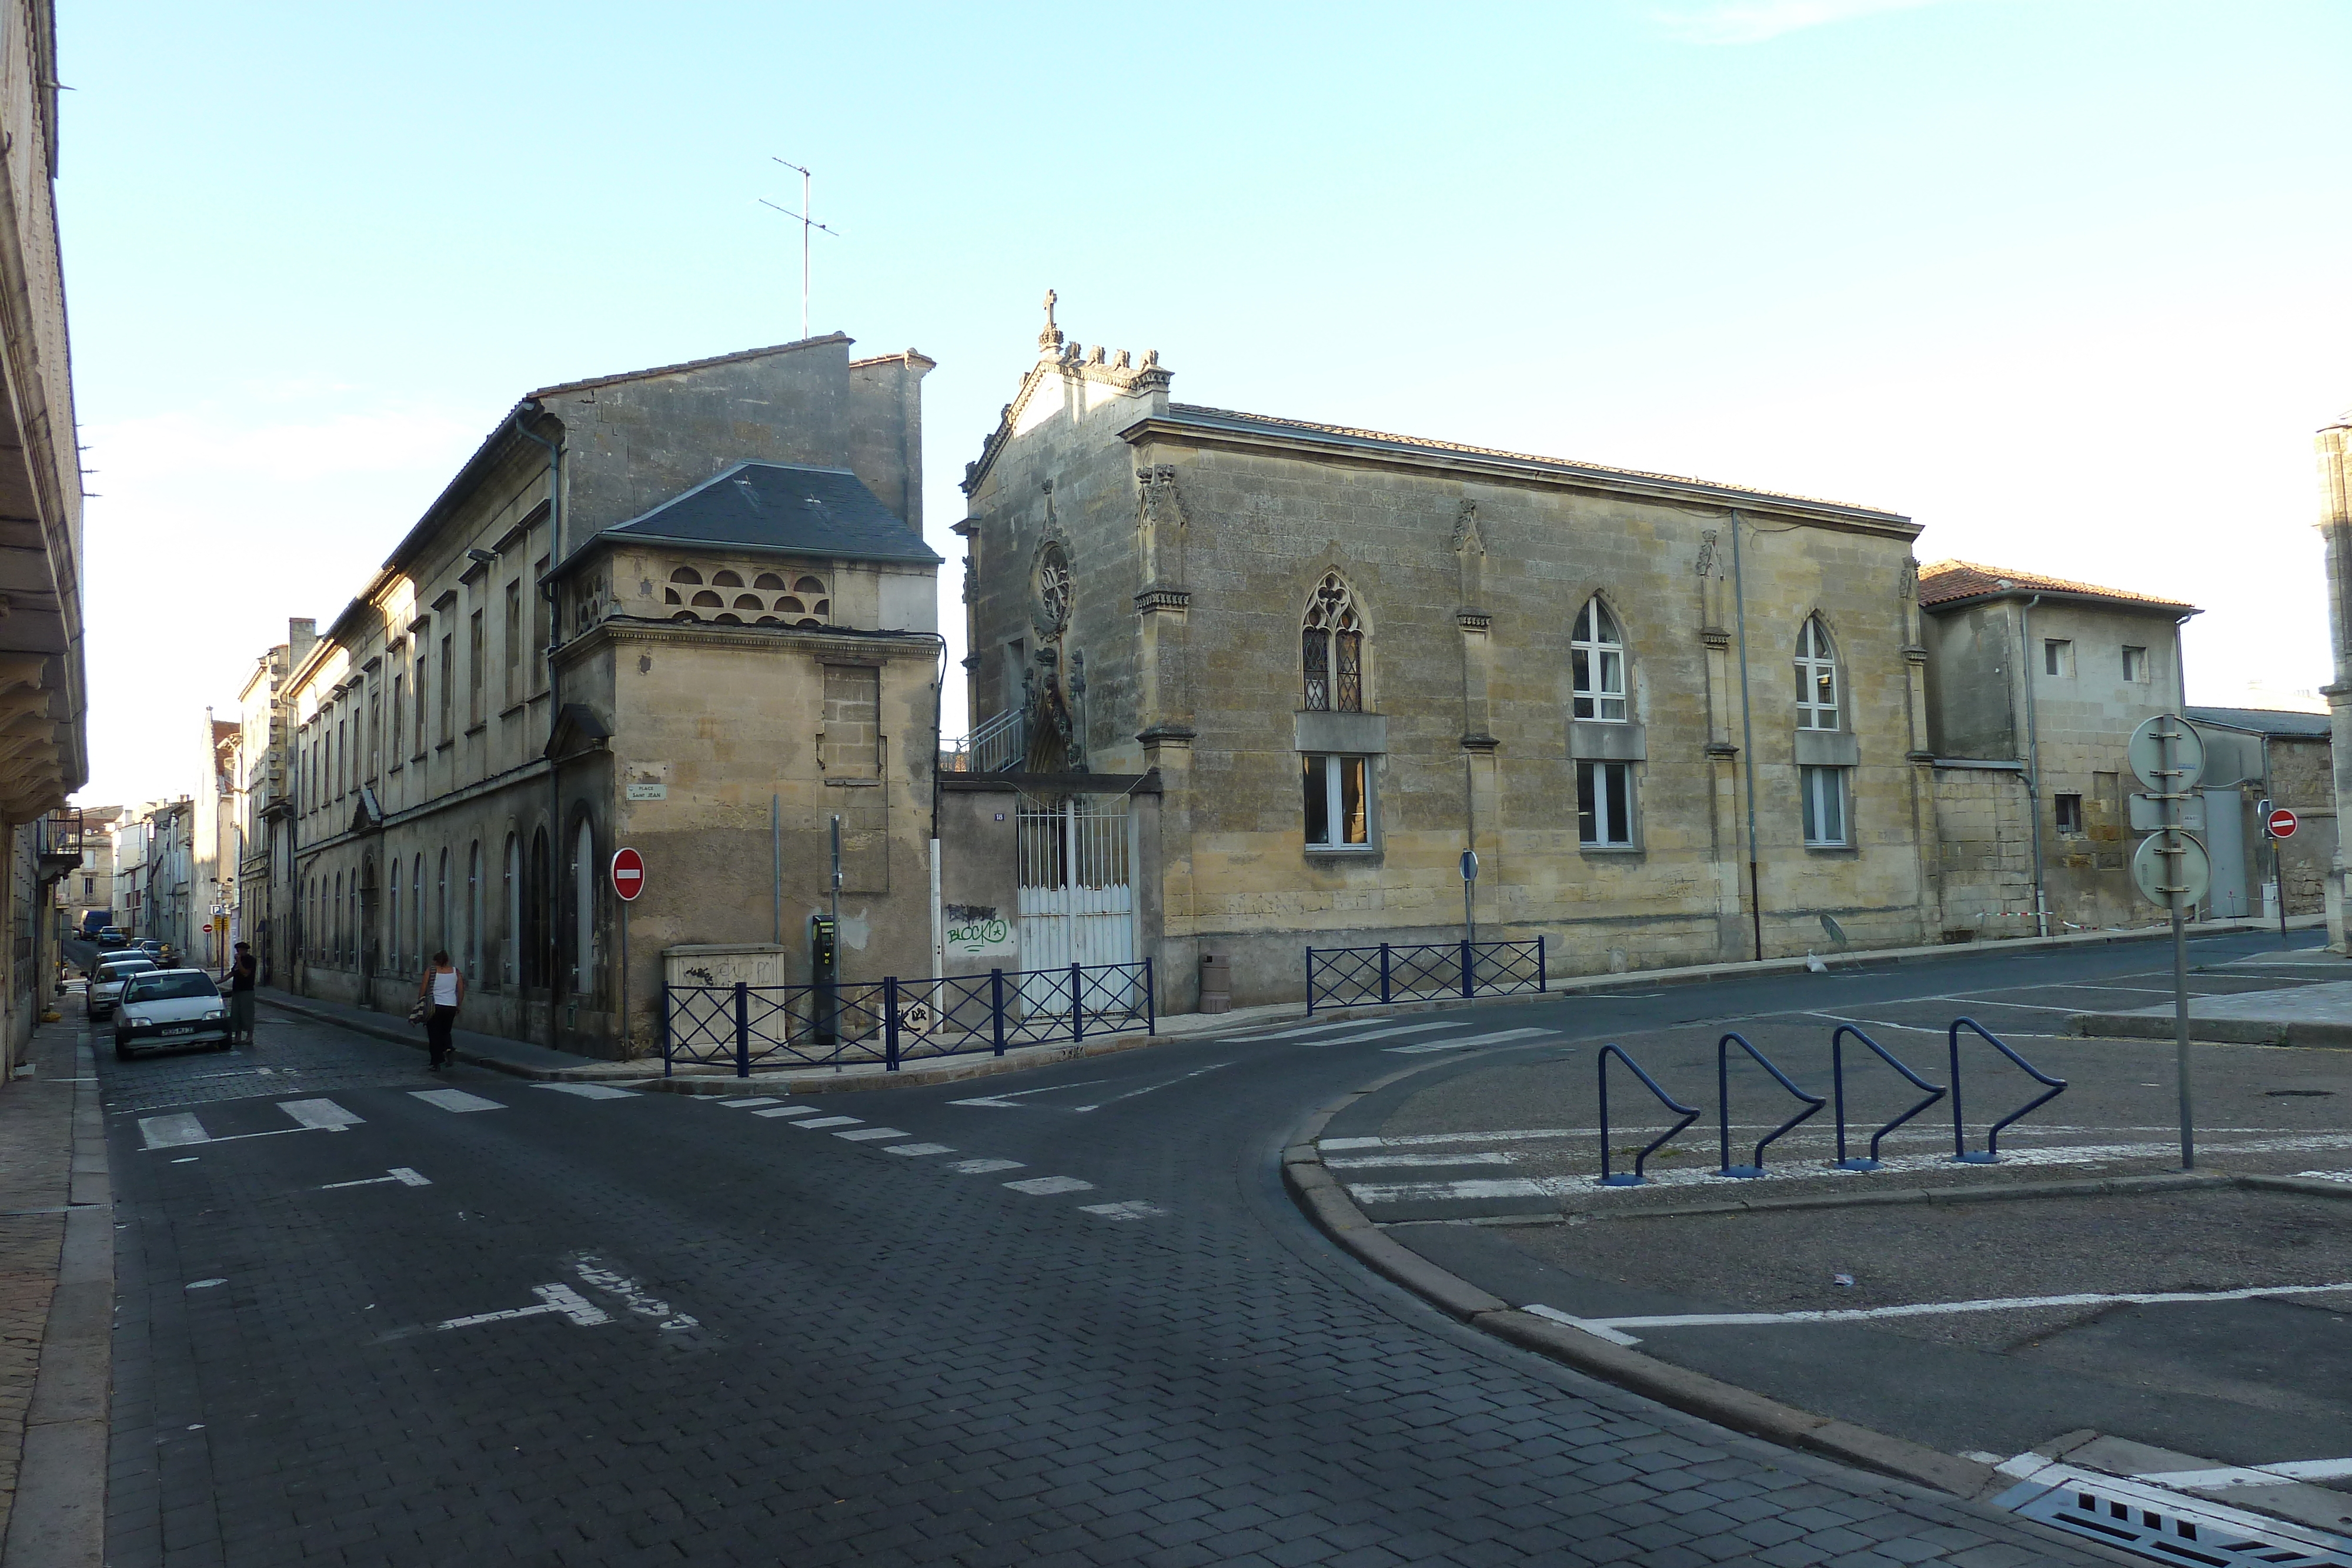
column 1943, row 581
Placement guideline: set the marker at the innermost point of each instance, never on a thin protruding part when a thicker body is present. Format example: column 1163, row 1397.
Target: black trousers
column 438, row 1025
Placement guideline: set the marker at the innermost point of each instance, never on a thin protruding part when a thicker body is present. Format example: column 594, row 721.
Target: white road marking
column 1495, row 1039
column 1046, row 1187
column 1940, row 1308
column 982, row 1167
column 1133, row 1208
column 1391, row 1033
column 787, row 1111
column 2325, row 1175
column 1448, row 1191
column 557, row 1298
column 1318, row 1028
column 1373, row 1162
column 173, row 1131
column 1937, row 1029
column 1598, row 1330
column 204, row 1284
column 2250, row 1476
column 400, row 1174
column 1007, row 1100
column 589, row 1091
column 324, row 1114
column 1417, row 1140
column 1149, row 1087
column 454, row 1100
column 740, row 1104
column 864, row 1134
column 830, row 1122
column 183, row 1160
column 919, row 1149
column 601, row 1276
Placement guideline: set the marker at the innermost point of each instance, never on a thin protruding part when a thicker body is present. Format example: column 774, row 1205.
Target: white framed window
column 1823, row 790
column 1604, row 805
column 2057, row 656
column 1817, row 681
column 2134, row 662
column 1596, row 655
column 1339, row 801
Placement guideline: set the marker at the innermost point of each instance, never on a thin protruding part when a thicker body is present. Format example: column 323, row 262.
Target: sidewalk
column 56, row 1305
column 2311, row 1006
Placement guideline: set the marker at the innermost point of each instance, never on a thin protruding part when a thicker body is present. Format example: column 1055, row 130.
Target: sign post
column 2280, row 824
column 2171, row 869
column 628, row 881
column 1469, row 882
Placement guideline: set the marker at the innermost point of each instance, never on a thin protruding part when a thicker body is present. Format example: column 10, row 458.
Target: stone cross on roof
column 1050, row 340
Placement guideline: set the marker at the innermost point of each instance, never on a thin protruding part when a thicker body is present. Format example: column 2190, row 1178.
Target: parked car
column 106, row 982
column 151, row 947
column 170, row 1009
column 112, row 936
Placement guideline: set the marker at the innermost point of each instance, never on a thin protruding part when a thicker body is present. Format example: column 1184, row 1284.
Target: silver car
column 170, row 1008
column 106, row 982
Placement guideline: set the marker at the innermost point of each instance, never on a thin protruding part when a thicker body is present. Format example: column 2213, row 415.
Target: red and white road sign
column 2282, row 823
column 629, row 873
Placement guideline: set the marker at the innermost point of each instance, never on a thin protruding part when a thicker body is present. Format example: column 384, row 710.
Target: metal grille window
column 1823, row 790
column 1597, row 660
column 1332, row 650
column 1604, row 805
column 1817, row 684
column 1337, row 791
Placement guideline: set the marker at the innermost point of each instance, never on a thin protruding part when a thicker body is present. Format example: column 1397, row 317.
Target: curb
column 2211, row 1030
column 58, row 1519
column 1327, row 1203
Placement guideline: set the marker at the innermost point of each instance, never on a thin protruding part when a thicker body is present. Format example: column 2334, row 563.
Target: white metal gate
column 1077, row 882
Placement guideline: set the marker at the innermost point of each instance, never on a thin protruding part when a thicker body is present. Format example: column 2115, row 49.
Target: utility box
column 725, row 965
column 1216, row 983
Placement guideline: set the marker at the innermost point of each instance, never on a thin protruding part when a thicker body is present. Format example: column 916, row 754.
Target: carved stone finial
column 1050, row 340
column 1150, row 358
column 1124, row 362
column 1098, row 355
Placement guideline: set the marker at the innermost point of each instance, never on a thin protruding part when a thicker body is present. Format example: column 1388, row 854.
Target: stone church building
column 1678, row 721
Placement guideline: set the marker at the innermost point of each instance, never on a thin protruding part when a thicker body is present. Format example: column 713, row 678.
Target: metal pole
column 2278, row 876
column 628, row 1034
column 837, row 897
column 808, row 215
column 776, row 877
column 2175, row 895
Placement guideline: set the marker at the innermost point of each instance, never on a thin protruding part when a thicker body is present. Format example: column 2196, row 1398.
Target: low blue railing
column 891, row 1021
column 1837, row 1078
column 1689, row 1114
column 1415, row 971
column 1813, row 1102
column 1991, row 1152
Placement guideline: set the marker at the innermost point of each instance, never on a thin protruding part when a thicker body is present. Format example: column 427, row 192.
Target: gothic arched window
column 1332, row 650
column 1596, row 652
column 1817, row 682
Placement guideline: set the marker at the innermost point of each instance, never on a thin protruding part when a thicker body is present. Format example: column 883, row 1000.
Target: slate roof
column 1945, row 581
column 785, row 507
column 2265, row 720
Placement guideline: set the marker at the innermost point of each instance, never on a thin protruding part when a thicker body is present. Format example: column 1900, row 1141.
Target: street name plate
column 2154, row 871
column 2148, row 814
column 2147, row 753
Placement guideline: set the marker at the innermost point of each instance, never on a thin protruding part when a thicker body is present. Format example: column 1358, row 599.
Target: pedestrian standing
column 241, row 973
column 444, row 990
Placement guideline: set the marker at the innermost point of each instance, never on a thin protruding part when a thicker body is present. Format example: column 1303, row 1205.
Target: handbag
column 422, row 1010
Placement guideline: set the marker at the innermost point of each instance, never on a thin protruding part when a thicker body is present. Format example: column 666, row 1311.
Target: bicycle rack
column 1991, row 1152
column 1689, row 1114
column 1813, row 1103
column 1837, row 1078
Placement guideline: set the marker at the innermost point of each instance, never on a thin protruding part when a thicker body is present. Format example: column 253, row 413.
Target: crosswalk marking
column 982, row 1167
column 1391, row 1033
column 1495, row 1039
column 454, row 1100
column 1446, row 1191
column 588, row 1090
column 864, row 1134
column 1133, row 1208
column 1046, row 1187
column 324, row 1114
column 831, row 1122
column 400, row 1174
column 1417, row 1140
column 1374, row 1162
column 746, row 1105
column 919, row 1149
column 171, row 1130
column 787, row 1111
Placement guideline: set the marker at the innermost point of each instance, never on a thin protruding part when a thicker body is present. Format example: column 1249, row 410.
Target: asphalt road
column 1064, row 1317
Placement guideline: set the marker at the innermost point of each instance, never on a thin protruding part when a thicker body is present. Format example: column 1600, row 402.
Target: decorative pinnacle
column 1049, row 341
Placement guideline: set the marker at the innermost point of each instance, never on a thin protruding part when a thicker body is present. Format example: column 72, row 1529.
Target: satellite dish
column 1836, row 932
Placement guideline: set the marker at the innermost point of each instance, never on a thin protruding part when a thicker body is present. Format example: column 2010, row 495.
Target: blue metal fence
column 1416, row 971
column 892, row 1021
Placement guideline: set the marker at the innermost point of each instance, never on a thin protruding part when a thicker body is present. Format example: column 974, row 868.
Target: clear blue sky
column 2064, row 281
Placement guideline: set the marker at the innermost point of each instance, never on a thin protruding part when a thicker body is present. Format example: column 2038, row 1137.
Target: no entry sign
column 2282, row 823
column 629, row 875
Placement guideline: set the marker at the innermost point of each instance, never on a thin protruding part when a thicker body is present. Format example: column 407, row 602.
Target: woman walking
column 442, row 989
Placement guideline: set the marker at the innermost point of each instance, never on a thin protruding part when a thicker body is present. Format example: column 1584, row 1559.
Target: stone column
column 2335, row 444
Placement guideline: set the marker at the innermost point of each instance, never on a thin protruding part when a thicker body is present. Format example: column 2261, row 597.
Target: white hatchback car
column 106, row 981
column 170, row 1008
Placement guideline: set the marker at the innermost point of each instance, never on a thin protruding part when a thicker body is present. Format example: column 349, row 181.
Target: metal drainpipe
column 2034, row 767
column 1747, row 739
column 554, row 702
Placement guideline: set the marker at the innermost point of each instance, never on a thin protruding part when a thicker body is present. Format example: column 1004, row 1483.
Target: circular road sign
column 629, row 875
column 2158, row 878
column 2147, row 753
column 2282, row 823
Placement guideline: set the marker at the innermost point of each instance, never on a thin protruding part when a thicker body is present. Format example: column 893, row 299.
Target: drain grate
column 2167, row 1526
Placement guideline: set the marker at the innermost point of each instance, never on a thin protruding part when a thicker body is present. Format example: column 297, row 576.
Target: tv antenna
column 808, row 224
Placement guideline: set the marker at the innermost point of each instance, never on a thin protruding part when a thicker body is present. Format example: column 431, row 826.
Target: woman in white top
column 445, row 989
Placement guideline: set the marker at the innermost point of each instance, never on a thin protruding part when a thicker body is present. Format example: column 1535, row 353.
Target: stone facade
column 644, row 613
column 2284, row 758
column 1141, row 580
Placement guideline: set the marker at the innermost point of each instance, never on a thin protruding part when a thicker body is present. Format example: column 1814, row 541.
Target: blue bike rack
column 1813, row 1103
column 1991, row 1152
column 1689, row 1114
column 1837, row 1078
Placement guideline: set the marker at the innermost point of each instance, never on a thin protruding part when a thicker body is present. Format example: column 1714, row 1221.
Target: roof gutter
column 2033, row 765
